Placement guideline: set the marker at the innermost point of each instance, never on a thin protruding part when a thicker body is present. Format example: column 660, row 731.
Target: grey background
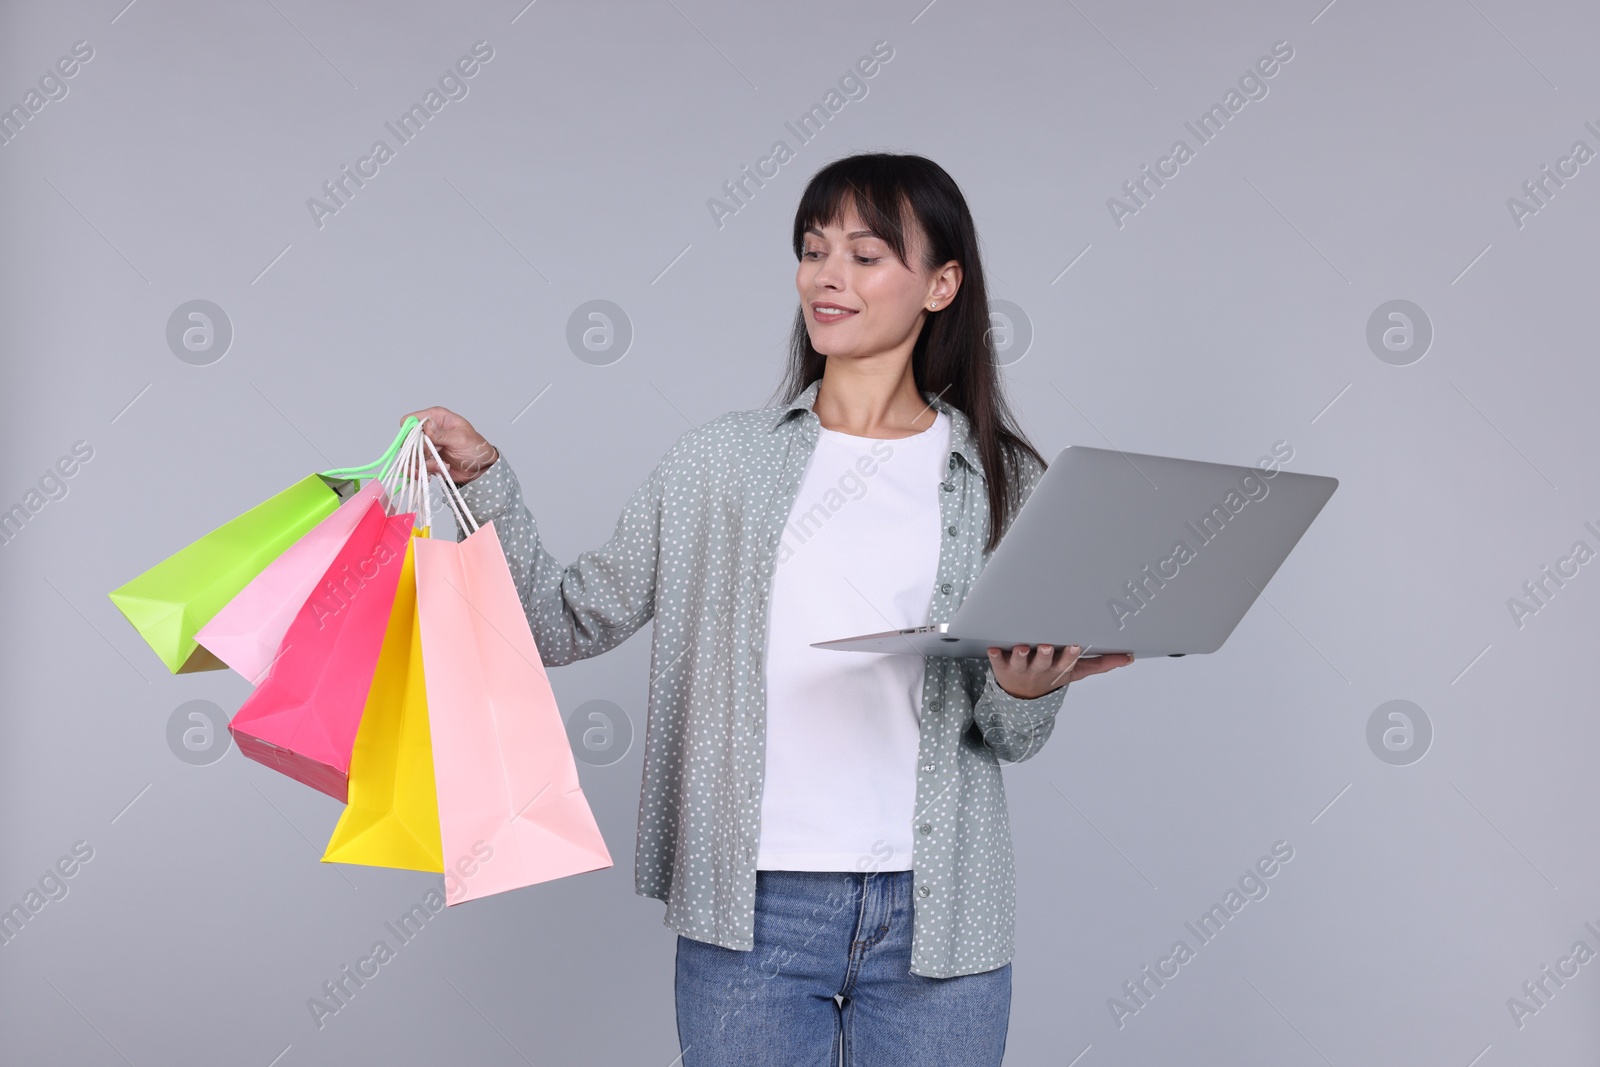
column 1231, row 312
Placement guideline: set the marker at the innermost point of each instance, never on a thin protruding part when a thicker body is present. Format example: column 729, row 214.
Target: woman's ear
column 947, row 284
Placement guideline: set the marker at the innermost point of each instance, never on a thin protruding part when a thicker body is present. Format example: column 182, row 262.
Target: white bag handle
column 424, row 501
column 397, row 474
column 405, row 475
column 452, row 494
column 406, row 480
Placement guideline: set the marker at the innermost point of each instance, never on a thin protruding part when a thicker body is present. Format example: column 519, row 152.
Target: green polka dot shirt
column 695, row 550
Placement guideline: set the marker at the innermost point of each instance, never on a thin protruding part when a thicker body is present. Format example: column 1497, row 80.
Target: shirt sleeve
column 1013, row 728
column 593, row 604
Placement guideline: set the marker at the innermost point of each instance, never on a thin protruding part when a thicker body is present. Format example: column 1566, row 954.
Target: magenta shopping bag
column 302, row 719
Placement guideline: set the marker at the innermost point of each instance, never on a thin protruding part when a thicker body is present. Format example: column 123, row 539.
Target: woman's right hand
column 464, row 450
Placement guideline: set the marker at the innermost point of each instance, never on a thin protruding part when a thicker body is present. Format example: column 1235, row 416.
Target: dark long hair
column 952, row 357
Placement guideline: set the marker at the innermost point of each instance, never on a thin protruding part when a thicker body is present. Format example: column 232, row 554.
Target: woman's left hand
column 1029, row 672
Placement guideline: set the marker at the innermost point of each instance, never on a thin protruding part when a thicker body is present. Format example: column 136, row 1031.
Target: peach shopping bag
column 511, row 810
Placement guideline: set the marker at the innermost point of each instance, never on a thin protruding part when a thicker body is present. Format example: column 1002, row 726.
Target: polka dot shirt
column 695, row 549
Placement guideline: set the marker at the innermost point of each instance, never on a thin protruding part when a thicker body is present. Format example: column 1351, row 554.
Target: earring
column 933, row 305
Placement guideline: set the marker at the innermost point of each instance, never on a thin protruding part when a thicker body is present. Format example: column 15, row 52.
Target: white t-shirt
column 859, row 554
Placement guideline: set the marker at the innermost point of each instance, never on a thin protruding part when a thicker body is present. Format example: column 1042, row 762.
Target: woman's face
column 846, row 266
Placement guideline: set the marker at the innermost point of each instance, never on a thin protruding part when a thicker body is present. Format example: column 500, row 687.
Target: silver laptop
column 1123, row 552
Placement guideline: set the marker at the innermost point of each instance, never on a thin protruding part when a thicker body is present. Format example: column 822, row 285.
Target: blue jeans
column 822, row 934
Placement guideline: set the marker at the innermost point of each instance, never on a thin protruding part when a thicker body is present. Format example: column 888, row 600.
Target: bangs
column 877, row 195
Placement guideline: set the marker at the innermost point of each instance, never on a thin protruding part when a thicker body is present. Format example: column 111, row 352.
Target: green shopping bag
column 170, row 602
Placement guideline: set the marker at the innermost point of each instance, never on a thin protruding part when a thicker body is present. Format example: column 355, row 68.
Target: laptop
column 1123, row 552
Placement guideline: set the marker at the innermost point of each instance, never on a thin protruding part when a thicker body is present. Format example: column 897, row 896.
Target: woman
column 828, row 829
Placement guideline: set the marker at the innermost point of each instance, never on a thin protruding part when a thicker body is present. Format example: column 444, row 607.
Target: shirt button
column 952, row 531
column 926, row 828
column 945, row 588
column 927, row 766
column 952, row 462
column 922, row 890
column 948, row 487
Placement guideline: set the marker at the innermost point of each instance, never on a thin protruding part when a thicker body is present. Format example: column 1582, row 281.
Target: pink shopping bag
column 302, row 719
column 511, row 811
column 247, row 633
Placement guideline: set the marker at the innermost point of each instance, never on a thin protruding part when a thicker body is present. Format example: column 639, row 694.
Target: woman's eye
column 865, row 260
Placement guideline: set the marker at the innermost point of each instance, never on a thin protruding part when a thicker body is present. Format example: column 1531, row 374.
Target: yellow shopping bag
column 392, row 816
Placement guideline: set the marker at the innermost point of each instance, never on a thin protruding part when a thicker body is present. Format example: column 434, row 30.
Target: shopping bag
column 171, row 601
column 302, row 719
column 511, row 810
column 248, row 631
column 392, row 817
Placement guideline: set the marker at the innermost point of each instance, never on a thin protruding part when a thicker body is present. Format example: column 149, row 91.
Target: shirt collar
column 962, row 442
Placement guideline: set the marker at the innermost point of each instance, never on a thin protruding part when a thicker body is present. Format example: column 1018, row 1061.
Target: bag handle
column 407, row 479
column 390, row 479
column 452, row 494
column 383, row 461
column 424, row 497
column 397, row 478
